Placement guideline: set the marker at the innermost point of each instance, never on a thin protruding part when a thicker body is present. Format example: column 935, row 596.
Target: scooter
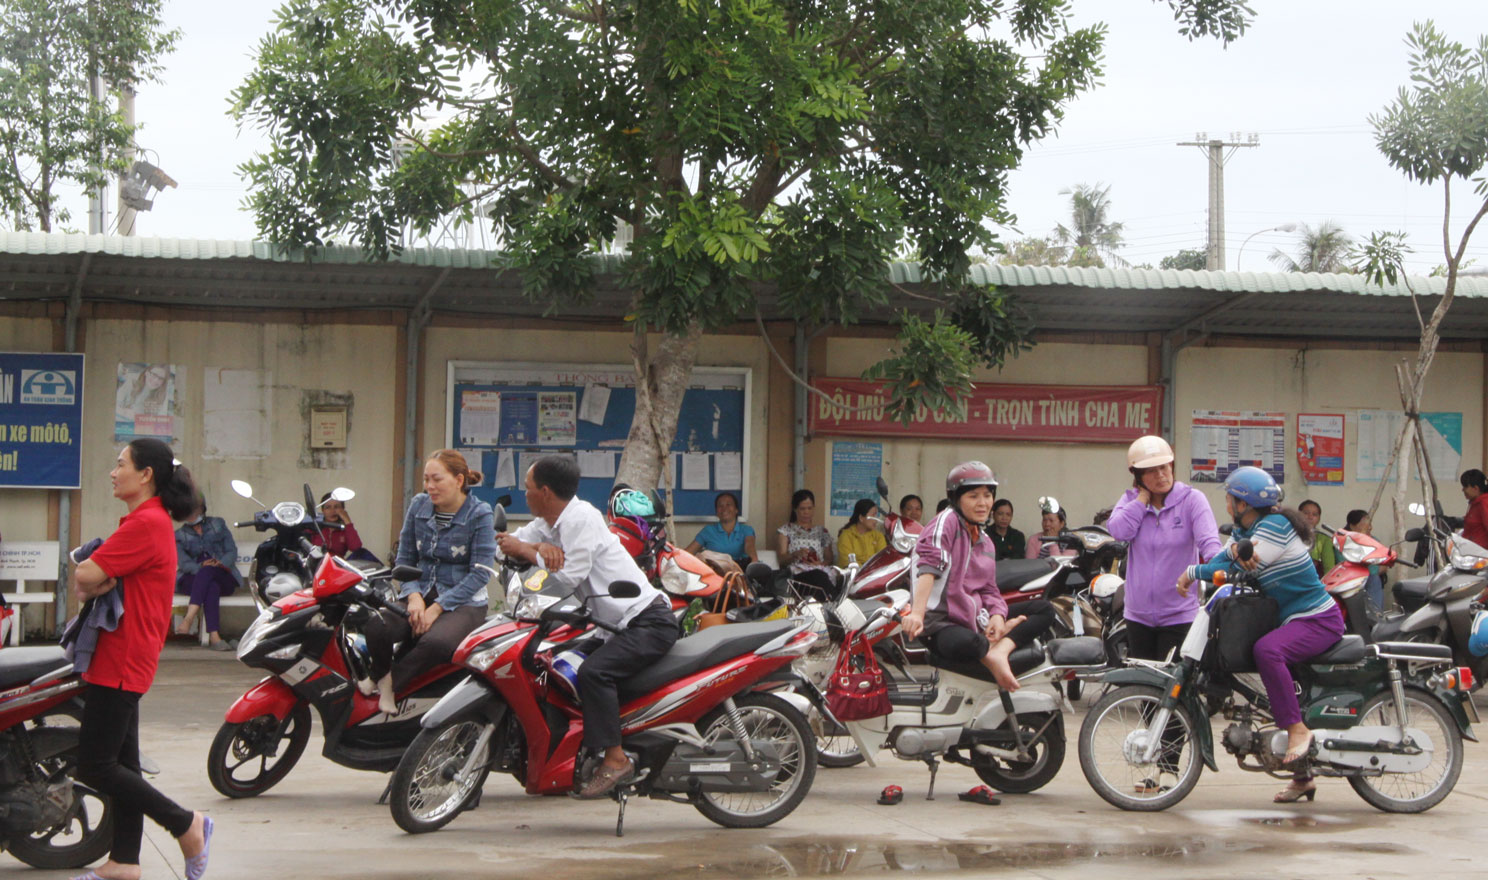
column 311, row 645
column 280, row 566
column 1445, row 617
column 695, row 724
column 1345, row 582
column 892, row 567
column 1014, row 741
column 1388, row 717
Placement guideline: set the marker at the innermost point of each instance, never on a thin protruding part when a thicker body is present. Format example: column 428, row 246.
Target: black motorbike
column 280, row 563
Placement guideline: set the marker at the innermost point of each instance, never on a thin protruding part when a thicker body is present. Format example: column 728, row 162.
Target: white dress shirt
column 593, row 558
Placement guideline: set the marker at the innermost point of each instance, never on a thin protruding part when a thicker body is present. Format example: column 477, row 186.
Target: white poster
column 595, row 403
column 237, row 414
column 1378, row 429
column 557, row 418
column 695, row 471
column 506, row 470
column 597, row 465
column 1221, row 441
column 728, row 471
column 480, row 418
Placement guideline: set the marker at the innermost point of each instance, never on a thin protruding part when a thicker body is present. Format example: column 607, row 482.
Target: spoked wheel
column 833, row 749
column 767, row 720
column 1113, row 745
column 83, row 833
column 427, row 791
column 1046, row 756
column 239, row 764
column 1424, row 789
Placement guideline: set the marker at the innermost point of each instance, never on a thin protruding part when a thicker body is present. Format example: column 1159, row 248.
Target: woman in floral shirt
column 805, row 548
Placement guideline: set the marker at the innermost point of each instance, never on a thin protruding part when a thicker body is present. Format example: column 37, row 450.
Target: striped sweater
column 1286, row 572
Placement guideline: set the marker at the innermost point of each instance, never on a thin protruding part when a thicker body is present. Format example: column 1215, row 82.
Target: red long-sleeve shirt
column 1475, row 525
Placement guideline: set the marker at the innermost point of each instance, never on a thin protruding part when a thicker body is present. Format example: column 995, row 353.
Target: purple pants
column 206, row 586
column 1295, row 642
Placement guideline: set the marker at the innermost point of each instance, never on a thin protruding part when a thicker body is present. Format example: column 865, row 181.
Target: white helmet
column 1149, row 452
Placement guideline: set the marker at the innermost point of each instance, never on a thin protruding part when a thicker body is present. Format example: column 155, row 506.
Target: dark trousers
column 206, row 586
column 644, row 641
column 959, row 643
column 1145, row 642
column 108, row 762
column 386, row 628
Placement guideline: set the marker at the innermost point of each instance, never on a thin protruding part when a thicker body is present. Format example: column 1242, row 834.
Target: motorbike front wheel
column 833, row 748
column 427, row 793
column 83, row 836
column 1113, row 745
column 239, row 764
column 1420, row 791
column 1046, row 756
column 765, row 719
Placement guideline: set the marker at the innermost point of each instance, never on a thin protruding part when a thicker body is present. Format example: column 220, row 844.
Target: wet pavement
column 323, row 821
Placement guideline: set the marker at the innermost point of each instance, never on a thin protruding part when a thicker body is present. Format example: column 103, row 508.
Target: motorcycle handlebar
column 244, row 525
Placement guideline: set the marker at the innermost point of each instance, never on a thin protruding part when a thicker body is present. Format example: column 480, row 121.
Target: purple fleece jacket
column 965, row 571
column 1163, row 543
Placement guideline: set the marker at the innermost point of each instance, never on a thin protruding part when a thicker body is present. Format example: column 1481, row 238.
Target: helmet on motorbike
column 967, row 474
column 1477, row 639
column 629, row 502
column 1253, row 486
column 1148, row 452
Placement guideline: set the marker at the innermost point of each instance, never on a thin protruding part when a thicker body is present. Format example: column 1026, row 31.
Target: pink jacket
column 965, row 571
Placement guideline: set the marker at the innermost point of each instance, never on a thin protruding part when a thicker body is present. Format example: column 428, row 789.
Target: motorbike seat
column 1028, row 657
column 1349, row 649
column 1426, row 650
column 19, row 666
column 1014, row 573
column 1413, row 592
column 709, row 647
column 1077, row 651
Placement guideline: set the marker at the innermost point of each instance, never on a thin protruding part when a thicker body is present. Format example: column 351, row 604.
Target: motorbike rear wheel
column 1413, row 792
column 85, row 834
column 1022, row 777
column 425, row 794
column 768, row 719
column 240, row 745
column 1114, row 729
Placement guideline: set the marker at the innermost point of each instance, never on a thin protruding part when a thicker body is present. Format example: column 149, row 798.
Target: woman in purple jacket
column 957, row 606
column 1169, row 526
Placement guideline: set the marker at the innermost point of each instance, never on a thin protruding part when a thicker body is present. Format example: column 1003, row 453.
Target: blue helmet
column 1253, row 486
column 1477, row 640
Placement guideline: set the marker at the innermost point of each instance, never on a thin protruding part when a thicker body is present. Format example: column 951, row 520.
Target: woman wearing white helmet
column 957, row 605
column 1169, row 526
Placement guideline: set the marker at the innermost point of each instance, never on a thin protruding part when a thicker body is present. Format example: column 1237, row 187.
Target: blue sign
column 41, row 420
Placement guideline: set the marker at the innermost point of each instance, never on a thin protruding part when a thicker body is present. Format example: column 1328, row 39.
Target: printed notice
column 557, row 418
column 695, row 471
column 1220, row 442
column 597, row 465
column 594, row 404
column 1320, row 448
column 506, row 469
column 728, row 471
column 1378, row 430
column 480, row 418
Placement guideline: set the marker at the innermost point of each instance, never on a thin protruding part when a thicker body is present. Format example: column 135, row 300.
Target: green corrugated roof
column 42, row 243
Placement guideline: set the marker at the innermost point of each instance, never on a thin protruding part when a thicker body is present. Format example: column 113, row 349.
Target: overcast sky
column 1305, row 78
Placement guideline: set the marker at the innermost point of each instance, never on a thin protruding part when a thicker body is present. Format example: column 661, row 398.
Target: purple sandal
column 196, row 866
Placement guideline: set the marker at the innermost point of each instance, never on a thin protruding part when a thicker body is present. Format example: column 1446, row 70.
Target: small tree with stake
column 1435, row 131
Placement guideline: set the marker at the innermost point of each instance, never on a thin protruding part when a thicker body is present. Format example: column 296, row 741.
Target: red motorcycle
column 310, row 644
column 47, row 818
column 698, row 725
column 891, row 568
column 1356, row 553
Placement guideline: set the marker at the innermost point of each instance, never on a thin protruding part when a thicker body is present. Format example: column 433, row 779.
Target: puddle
column 1270, row 818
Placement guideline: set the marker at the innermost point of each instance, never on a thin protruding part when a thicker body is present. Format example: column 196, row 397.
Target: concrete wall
column 24, row 513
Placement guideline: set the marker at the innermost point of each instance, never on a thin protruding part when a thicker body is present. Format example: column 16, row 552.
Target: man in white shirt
column 569, row 535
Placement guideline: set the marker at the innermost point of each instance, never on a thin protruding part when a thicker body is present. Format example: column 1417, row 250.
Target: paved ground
column 323, row 821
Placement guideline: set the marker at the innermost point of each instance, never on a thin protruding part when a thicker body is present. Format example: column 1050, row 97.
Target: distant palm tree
column 1324, row 249
column 1090, row 226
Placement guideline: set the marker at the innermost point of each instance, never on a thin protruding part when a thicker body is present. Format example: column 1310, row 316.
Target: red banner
column 1050, row 413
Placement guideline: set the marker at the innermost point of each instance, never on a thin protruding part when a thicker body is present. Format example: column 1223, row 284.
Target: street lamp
column 1285, row 227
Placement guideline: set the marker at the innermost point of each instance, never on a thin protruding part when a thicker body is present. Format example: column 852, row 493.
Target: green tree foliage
column 1188, row 258
column 1326, row 248
column 1436, row 131
column 797, row 144
column 1091, row 231
column 52, row 133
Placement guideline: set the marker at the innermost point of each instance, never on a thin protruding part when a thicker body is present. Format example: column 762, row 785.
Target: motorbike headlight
column 480, row 660
column 255, row 632
column 530, row 606
column 1353, row 551
column 904, row 542
column 289, row 513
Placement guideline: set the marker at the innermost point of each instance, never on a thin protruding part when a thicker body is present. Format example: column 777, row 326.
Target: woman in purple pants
column 207, row 570
column 1310, row 620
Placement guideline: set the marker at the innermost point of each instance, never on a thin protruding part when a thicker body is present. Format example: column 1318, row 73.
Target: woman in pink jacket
column 957, row 606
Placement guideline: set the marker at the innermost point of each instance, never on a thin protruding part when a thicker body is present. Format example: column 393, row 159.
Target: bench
column 242, row 597
column 28, row 563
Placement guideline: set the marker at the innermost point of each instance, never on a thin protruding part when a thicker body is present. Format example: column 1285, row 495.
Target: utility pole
column 124, row 213
column 1215, row 148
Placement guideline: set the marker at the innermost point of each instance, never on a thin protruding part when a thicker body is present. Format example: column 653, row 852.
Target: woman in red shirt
column 1475, row 490
column 139, row 559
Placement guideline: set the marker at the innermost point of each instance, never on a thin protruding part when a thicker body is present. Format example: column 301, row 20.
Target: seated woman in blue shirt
column 728, row 535
column 206, row 570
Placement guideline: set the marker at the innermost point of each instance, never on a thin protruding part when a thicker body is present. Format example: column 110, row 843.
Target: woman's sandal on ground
column 1293, row 793
column 891, row 795
column 981, row 795
column 196, row 866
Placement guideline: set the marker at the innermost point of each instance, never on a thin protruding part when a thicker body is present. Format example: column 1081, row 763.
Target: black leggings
column 1145, row 642
column 959, row 643
column 108, row 762
column 386, row 628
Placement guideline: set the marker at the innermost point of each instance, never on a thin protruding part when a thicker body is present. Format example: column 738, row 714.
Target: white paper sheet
column 595, row 404
column 599, row 465
column 696, row 473
column 506, row 469
column 728, row 471
column 480, row 418
column 236, row 414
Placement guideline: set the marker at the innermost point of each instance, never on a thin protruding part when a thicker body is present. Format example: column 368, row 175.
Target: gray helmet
column 968, row 474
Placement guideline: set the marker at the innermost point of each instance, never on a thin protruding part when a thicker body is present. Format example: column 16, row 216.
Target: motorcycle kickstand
column 621, row 796
column 387, row 792
column 934, row 764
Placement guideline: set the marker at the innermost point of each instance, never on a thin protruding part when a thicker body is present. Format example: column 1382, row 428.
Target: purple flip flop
column 196, row 866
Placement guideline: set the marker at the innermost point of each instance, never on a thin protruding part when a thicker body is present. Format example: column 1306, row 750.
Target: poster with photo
column 144, row 400
column 1320, row 439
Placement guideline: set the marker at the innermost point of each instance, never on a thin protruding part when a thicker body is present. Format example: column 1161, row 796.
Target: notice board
column 503, row 416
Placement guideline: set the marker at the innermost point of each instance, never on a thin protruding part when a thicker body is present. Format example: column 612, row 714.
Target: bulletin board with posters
column 504, row 416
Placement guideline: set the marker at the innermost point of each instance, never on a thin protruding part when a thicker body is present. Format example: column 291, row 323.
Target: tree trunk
column 662, row 372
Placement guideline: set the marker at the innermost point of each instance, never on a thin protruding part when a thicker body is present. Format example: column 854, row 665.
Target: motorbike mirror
column 883, row 488
column 1049, row 504
column 342, row 494
column 1226, row 528
column 504, row 500
column 624, row 590
column 1244, row 550
column 243, row 488
column 1415, row 534
column 1417, row 508
column 406, row 573
column 498, row 517
column 309, row 497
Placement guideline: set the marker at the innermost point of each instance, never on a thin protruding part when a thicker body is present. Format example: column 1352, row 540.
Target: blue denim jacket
column 216, row 541
column 445, row 553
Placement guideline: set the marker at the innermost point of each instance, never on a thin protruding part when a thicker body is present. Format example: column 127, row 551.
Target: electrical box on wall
column 328, row 427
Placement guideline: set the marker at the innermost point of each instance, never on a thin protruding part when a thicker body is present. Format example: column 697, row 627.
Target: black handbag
column 1239, row 622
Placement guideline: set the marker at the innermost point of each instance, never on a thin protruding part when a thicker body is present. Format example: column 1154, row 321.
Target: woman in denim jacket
column 445, row 532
